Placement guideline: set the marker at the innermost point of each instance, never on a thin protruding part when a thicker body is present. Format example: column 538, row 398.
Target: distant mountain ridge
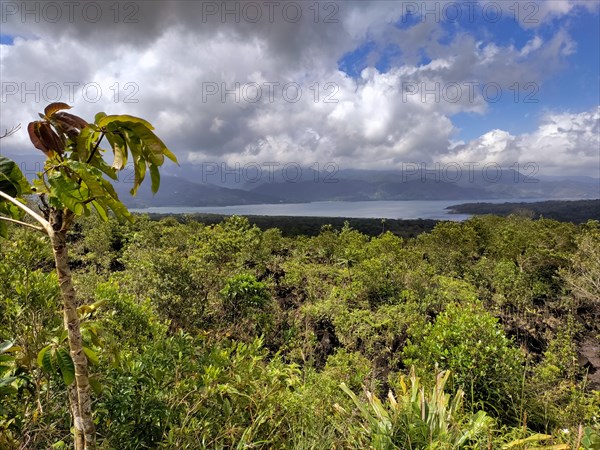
column 209, row 185
column 176, row 191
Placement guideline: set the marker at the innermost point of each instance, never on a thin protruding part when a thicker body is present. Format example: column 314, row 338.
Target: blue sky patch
column 572, row 85
column 5, row 39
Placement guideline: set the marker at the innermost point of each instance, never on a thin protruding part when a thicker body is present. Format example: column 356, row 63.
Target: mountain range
column 204, row 185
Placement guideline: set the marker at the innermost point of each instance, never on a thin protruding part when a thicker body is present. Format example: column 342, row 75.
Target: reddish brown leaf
column 69, row 124
column 67, row 129
column 53, row 107
column 50, row 139
column 34, row 135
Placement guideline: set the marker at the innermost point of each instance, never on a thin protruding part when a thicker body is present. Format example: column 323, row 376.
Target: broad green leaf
column 4, row 369
column 105, row 195
column 155, row 177
column 99, row 116
column 62, row 337
column 101, row 210
column 139, row 163
column 170, row 155
column 14, row 349
column 68, row 192
column 139, row 172
column 108, row 187
column 119, row 149
column 156, row 149
column 100, row 164
column 90, row 176
column 153, row 146
column 121, row 212
column 44, row 359
column 91, row 355
column 9, row 210
column 95, row 339
column 95, row 385
column 84, row 142
column 12, row 180
column 66, row 366
column 107, row 120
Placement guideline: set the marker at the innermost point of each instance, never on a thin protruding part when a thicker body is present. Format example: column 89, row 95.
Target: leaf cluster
column 76, row 175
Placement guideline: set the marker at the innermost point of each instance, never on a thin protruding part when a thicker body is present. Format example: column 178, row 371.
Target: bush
column 468, row 341
column 246, row 305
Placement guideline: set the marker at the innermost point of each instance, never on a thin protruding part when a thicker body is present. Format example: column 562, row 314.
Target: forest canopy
column 472, row 335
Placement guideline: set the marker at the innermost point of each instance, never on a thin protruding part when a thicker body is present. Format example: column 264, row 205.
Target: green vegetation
column 311, row 226
column 228, row 336
column 178, row 334
column 72, row 184
column 578, row 211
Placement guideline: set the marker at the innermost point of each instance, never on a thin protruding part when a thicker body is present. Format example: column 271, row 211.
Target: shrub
column 469, row 341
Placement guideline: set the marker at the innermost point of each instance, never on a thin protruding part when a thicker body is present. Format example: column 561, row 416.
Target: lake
column 406, row 209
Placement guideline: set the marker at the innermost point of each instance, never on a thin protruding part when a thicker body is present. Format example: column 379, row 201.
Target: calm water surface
column 406, row 209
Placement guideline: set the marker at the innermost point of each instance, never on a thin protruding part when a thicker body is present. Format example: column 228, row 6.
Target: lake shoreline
column 373, row 209
column 577, row 211
column 406, row 228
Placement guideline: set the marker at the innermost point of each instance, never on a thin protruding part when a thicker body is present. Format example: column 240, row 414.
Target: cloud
column 538, row 13
column 563, row 144
column 242, row 91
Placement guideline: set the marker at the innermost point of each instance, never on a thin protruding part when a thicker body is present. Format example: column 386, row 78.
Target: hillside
column 222, row 333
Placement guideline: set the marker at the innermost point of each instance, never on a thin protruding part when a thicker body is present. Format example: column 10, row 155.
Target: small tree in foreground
column 76, row 181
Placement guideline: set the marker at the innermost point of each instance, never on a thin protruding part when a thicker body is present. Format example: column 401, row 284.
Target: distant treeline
column 576, row 211
column 311, row 226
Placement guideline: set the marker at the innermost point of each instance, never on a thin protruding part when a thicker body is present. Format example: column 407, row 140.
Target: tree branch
column 25, row 224
column 10, row 132
column 43, row 222
column 95, row 148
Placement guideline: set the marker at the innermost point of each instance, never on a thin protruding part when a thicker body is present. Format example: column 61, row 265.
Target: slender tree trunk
column 81, row 401
column 74, row 403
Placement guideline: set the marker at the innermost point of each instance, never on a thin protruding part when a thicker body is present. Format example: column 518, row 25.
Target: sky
column 364, row 85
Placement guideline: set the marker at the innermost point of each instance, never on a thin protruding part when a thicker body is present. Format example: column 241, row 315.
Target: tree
column 74, row 182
